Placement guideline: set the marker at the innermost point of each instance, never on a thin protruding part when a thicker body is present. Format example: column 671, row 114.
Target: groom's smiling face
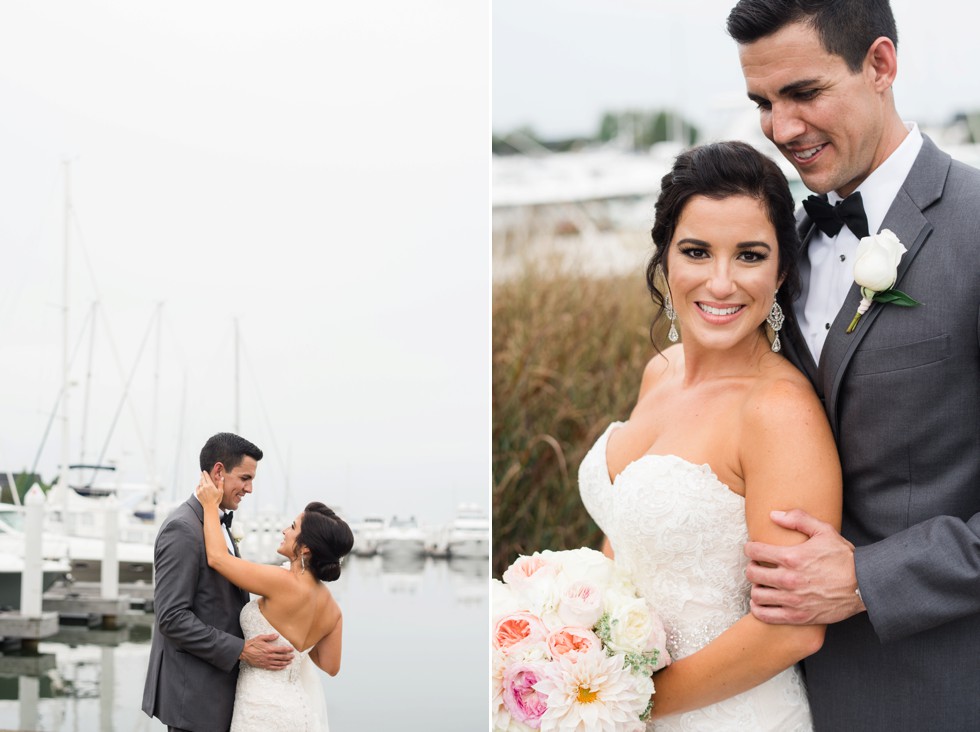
column 237, row 483
column 826, row 119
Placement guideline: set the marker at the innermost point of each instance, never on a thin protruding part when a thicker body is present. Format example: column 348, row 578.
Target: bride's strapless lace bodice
column 680, row 533
column 289, row 700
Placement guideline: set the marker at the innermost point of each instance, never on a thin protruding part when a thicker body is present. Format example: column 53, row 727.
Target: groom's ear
column 217, row 471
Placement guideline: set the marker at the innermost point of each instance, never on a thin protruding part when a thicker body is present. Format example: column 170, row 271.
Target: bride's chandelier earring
column 775, row 320
column 672, row 334
column 302, row 563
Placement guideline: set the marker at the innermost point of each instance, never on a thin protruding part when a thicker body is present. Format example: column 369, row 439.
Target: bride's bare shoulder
column 662, row 364
column 783, row 397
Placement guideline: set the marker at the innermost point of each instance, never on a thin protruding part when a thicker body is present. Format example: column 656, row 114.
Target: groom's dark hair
column 846, row 28
column 229, row 450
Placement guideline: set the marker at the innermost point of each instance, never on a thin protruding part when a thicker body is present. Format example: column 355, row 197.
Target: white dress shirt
column 832, row 258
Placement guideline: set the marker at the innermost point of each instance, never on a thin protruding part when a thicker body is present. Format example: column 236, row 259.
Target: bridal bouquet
column 573, row 646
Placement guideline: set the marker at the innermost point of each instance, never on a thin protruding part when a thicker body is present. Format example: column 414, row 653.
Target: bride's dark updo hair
column 329, row 539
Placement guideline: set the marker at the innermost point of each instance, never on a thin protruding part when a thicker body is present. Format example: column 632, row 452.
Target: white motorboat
column 367, row 534
column 74, row 529
column 79, row 518
column 54, row 564
column 469, row 534
column 402, row 537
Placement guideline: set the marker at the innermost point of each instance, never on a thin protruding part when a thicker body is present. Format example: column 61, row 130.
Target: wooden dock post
column 30, row 578
column 110, row 556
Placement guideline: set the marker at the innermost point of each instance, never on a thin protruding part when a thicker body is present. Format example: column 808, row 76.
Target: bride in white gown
column 724, row 431
column 294, row 604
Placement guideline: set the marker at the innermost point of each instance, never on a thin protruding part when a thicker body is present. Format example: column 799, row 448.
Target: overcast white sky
column 319, row 171
column 559, row 64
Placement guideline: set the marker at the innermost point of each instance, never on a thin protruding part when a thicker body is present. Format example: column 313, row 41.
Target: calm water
column 415, row 658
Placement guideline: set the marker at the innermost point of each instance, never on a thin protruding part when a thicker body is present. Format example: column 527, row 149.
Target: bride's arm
column 259, row 579
column 788, row 459
column 326, row 653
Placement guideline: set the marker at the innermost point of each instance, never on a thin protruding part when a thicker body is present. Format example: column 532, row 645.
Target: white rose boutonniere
column 875, row 270
column 237, row 533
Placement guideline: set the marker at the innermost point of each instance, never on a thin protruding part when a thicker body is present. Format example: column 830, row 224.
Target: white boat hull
column 469, row 548
column 401, row 547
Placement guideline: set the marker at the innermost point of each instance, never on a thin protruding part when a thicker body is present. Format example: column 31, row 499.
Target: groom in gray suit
column 900, row 585
column 197, row 639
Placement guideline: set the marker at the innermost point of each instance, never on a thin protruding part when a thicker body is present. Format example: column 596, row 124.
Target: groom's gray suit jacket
column 197, row 638
column 902, row 393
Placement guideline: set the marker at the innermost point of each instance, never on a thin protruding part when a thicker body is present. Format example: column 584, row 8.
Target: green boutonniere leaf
column 896, row 297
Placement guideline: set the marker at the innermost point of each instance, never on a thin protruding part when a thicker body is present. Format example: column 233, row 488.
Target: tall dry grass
column 568, row 354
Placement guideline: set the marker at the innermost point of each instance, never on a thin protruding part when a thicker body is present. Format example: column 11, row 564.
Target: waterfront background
column 415, row 659
column 271, row 220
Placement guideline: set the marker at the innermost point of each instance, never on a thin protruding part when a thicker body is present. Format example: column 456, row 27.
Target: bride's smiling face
column 722, row 269
column 289, row 535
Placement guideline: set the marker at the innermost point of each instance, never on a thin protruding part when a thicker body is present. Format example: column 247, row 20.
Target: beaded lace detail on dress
column 680, row 532
column 275, row 701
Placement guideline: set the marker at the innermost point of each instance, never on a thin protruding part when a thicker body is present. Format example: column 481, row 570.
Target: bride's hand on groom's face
column 207, row 492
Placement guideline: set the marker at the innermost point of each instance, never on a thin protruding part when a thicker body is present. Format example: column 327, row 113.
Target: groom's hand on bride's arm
column 809, row 583
column 262, row 652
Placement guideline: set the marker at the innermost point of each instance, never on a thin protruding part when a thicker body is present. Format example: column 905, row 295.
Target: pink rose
column 580, row 604
column 522, row 701
column 573, row 642
column 527, row 570
column 517, row 629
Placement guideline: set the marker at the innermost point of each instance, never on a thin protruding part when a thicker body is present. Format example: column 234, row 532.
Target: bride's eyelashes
column 692, row 252
column 749, row 256
column 753, row 256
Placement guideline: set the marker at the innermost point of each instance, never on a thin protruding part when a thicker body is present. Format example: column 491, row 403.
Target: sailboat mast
column 238, row 430
column 82, row 457
column 154, row 480
column 65, row 434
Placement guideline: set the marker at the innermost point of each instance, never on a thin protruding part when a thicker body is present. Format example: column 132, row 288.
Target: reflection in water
column 83, row 680
column 90, row 680
column 401, row 573
column 469, row 577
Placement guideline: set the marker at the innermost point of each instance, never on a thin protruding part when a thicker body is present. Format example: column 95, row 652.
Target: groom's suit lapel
column 922, row 187
column 795, row 346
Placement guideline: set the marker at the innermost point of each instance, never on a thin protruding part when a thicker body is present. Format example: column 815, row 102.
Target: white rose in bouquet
column 630, row 626
column 583, row 565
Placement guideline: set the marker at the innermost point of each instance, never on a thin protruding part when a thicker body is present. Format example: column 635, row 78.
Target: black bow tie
column 226, row 519
column 830, row 218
